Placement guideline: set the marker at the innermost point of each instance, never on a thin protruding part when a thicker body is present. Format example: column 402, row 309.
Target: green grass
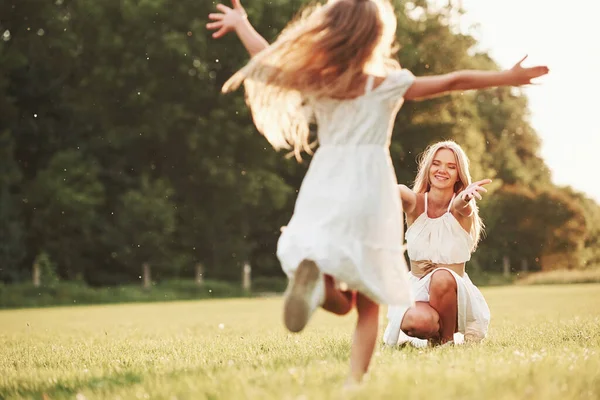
column 561, row 276
column 544, row 343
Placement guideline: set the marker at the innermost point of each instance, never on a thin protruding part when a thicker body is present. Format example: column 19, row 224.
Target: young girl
column 335, row 63
column 444, row 228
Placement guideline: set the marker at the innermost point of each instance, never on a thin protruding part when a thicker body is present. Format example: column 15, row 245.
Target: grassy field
column 544, row 343
column 561, row 276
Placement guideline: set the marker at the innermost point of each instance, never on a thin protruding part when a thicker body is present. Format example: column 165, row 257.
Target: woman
column 444, row 228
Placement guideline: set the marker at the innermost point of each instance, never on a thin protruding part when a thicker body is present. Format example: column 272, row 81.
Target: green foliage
column 63, row 201
column 533, row 225
column 117, row 147
column 12, row 246
column 47, row 270
column 144, row 225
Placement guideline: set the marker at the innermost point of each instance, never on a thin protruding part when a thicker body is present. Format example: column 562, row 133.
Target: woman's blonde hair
column 324, row 53
column 423, row 185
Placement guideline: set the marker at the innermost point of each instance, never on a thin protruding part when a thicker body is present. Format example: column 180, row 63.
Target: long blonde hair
column 323, row 53
column 422, row 184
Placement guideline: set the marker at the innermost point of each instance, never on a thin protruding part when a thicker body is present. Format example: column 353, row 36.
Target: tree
column 541, row 227
column 12, row 246
column 63, row 202
column 144, row 224
column 111, row 112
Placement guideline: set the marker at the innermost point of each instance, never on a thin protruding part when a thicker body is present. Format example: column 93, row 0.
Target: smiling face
column 443, row 172
column 444, row 165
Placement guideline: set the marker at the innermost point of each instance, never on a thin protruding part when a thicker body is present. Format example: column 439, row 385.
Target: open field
column 544, row 343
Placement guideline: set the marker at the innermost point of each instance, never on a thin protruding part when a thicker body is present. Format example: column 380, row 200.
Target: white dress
column 348, row 216
column 442, row 242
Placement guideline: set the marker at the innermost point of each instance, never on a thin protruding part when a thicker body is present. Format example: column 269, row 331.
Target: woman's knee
column 442, row 281
column 421, row 321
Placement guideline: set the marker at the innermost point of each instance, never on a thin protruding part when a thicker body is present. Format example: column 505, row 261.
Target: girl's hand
column 523, row 76
column 227, row 20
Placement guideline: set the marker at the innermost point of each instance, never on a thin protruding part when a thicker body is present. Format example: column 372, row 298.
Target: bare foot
column 351, row 384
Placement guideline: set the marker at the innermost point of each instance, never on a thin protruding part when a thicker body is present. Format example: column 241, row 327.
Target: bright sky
column 565, row 109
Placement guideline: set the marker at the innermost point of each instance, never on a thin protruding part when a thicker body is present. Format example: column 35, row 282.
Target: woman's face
column 443, row 173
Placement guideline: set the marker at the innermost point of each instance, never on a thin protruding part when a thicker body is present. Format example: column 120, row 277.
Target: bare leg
column 365, row 337
column 337, row 301
column 421, row 321
column 443, row 298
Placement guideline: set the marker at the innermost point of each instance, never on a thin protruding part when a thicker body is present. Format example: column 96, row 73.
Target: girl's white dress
column 348, row 216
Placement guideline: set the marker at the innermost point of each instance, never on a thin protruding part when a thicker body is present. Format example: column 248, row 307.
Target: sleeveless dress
column 433, row 244
column 348, row 217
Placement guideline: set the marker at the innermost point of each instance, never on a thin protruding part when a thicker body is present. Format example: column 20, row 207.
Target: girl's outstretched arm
column 429, row 86
column 236, row 19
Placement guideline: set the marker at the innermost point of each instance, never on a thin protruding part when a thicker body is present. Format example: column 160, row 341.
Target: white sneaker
column 395, row 336
column 404, row 339
column 305, row 293
column 418, row 343
column 459, row 338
